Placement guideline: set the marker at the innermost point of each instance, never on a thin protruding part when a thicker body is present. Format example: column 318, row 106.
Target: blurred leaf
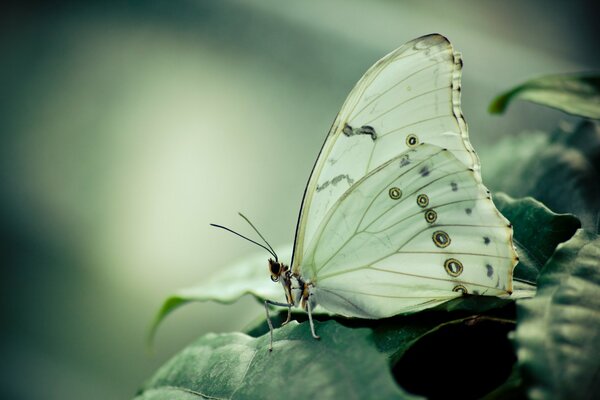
column 551, row 170
column 583, row 136
column 576, row 94
column 229, row 284
column 344, row 363
column 537, row 232
column 558, row 331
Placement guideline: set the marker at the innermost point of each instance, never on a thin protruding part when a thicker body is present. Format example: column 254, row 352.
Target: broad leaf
column 470, row 323
column 558, row 331
column 395, row 335
column 537, row 232
column 247, row 276
column 577, row 94
column 344, row 363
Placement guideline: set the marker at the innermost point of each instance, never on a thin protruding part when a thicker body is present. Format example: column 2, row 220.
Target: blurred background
column 127, row 127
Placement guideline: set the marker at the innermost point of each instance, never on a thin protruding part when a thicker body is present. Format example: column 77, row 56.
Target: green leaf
column 470, row 323
column 248, row 276
column 577, row 94
column 344, row 363
column 537, row 232
column 558, row 331
column 395, row 335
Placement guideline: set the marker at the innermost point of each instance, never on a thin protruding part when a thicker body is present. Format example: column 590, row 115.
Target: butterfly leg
column 275, row 303
column 289, row 317
column 310, row 320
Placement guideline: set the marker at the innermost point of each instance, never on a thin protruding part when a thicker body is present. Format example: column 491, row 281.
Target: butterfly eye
column 275, row 278
column 275, row 268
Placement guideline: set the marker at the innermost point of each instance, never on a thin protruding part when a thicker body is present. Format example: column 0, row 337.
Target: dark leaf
column 558, row 331
column 469, row 323
column 394, row 335
column 344, row 363
column 537, row 232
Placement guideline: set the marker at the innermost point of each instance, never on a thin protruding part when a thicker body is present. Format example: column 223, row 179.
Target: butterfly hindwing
column 417, row 231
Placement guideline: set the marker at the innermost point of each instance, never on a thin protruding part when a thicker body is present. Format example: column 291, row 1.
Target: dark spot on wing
column 453, row 267
column 486, row 240
column 404, row 161
column 367, row 130
column 395, row 193
column 322, row 186
column 468, row 211
column 335, row 181
column 460, row 289
column 490, row 270
column 430, row 216
column 422, row 200
column 454, row 186
column 363, row 130
column 441, row 239
column 348, row 131
column 424, row 171
column 412, row 140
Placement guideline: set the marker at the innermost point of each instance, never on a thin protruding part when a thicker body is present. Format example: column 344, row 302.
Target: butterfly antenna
column 248, row 239
column 259, row 234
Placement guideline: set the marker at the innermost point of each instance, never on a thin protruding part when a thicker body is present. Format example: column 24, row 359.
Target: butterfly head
column 277, row 269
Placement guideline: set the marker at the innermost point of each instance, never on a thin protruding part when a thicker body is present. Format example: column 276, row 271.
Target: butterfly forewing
column 409, row 97
column 416, row 231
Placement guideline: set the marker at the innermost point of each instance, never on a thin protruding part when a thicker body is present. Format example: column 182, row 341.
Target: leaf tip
column 170, row 304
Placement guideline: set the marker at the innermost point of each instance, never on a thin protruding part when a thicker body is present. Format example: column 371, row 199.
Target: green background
column 126, row 128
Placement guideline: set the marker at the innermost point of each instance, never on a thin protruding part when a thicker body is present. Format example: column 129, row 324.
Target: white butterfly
column 395, row 217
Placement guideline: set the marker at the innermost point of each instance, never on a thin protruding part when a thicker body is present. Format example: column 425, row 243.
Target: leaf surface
column 344, row 363
column 558, row 331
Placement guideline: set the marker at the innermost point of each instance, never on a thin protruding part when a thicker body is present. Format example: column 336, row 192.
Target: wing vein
column 352, row 116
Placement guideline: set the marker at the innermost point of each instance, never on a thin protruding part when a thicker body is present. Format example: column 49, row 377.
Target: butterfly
column 395, row 217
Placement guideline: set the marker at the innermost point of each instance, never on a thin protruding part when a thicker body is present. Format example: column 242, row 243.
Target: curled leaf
column 577, row 94
column 229, row 284
column 537, row 232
